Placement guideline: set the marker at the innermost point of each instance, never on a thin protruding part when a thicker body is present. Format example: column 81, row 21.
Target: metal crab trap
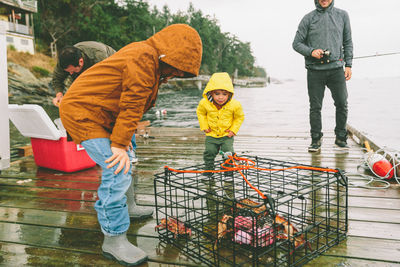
column 252, row 212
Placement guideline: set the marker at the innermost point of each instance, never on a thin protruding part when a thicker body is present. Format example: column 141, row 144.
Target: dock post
column 198, row 84
column 4, row 118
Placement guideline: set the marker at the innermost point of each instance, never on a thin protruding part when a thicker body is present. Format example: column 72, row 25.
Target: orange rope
column 232, row 161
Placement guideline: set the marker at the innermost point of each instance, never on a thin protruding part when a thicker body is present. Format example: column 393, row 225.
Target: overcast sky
column 270, row 26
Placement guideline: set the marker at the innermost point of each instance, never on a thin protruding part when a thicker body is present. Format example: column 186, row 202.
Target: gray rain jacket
column 326, row 29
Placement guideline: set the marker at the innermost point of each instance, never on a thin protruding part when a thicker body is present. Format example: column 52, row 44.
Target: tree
column 60, row 18
column 120, row 22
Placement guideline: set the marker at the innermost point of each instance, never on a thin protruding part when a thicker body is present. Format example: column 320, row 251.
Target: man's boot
column 135, row 211
column 341, row 142
column 316, row 140
column 120, row 249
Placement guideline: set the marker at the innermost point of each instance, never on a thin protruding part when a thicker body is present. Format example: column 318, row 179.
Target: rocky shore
column 25, row 88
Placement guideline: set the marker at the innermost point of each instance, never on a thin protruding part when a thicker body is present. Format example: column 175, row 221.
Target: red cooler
column 49, row 143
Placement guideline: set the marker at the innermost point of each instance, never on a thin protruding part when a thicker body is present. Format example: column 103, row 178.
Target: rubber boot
column 135, row 211
column 120, row 249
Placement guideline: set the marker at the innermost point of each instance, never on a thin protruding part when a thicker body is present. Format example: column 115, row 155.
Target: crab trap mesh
column 284, row 215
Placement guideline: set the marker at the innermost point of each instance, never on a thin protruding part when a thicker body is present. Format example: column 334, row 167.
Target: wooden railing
column 17, row 28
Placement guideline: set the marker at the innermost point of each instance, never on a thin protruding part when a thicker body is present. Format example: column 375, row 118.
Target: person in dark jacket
column 74, row 60
column 324, row 39
column 101, row 110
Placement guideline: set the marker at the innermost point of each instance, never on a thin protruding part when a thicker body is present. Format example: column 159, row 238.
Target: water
column 373, row 109
column 180, row 106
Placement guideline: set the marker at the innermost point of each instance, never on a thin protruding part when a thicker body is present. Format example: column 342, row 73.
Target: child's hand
column 230, row 133
column 207, row 130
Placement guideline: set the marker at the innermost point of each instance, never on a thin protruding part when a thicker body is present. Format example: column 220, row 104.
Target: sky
column 270, row 26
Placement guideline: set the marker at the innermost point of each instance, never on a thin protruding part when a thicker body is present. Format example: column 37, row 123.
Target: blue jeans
column 133, row 140
column 112, row 211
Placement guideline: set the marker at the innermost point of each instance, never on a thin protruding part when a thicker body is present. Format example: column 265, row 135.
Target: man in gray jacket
column 324, row 39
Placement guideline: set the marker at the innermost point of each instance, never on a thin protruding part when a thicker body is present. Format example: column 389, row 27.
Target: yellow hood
column 219, row 81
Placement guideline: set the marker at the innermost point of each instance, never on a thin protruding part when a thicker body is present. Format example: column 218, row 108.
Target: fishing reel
column 325, row 56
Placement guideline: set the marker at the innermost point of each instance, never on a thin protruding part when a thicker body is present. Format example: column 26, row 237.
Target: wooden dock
column 47, row 217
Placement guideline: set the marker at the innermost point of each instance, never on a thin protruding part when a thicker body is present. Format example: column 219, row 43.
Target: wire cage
column 285, row 214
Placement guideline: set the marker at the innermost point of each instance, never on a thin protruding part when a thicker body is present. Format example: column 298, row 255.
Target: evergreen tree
column 120, row 22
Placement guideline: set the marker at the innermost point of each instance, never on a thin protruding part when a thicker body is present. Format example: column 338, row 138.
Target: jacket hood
column 179, row 45
column 320, row 8
column 219, row 81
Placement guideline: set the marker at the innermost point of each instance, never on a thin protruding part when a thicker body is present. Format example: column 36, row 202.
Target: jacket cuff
column 113, row 144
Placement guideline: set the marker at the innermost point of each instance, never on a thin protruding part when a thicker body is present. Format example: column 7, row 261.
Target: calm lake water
column 373, row 109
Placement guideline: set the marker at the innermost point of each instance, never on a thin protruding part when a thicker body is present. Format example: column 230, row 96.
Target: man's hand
column 230, row 133
column 119, row 156
column 57, row 99
column 347, row 73
column 317, row 53
column 207, row 130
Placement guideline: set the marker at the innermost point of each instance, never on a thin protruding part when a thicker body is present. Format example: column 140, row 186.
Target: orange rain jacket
column 110, row 98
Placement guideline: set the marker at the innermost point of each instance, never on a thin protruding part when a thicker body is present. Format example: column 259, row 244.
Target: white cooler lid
column 32, row 121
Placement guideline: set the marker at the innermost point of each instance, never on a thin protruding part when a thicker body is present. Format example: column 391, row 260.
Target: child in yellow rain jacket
column 220, row 117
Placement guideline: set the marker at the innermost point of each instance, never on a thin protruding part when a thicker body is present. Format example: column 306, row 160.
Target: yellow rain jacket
column 110, row 98
column 229, row 117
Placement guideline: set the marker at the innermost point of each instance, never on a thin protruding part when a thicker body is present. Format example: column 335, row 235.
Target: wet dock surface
column 47, row 217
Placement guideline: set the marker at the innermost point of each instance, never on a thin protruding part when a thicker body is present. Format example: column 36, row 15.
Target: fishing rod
column 377, row 55
column 326, row 54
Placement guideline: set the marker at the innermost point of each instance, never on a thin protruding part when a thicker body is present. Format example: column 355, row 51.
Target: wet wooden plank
column 367, row 202
column 47, row 204
column 12, row 254
column 145, row 177
column 38, row 192
column 367, row 249
column 389, row 231
column 28, row 169
column 340, row 261
column 85, row 242
column 374, row 215
column 28, row 182
column 25, row 255
column 90, row 242
column 392, row 192
column 88, row 221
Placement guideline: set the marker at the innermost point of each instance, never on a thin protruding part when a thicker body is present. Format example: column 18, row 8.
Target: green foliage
column 11, row 47
column 40, row 72
column 118, row 23
column 260, row 72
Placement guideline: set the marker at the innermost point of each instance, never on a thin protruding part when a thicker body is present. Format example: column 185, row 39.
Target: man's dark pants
column 333, row 79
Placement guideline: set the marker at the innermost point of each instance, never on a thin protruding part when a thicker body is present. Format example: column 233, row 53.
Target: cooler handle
column 79, row 148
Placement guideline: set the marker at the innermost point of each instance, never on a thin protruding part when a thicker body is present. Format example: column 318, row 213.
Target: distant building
column 16, row 16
